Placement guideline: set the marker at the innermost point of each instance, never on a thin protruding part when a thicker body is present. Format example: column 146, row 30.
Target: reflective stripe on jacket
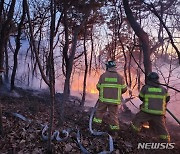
column 111, row 85
column 154, row 99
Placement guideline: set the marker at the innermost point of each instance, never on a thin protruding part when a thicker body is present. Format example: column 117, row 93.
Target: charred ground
column 22, row 137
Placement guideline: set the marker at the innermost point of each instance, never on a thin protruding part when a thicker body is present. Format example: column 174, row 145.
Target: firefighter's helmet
column 153, row 76
column 110, row 64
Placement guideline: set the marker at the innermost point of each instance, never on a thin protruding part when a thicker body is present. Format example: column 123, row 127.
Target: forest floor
column 24, row 137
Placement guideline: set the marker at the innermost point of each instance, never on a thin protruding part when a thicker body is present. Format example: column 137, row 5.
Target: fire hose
column 55, row 135
column 67, row 132
column 96, row 133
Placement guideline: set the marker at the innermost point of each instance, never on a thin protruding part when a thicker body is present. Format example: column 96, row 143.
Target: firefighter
column 153, row 108
column 111, row 86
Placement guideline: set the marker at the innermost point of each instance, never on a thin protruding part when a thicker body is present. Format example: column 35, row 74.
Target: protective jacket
column 111, row 85
column 154, row 98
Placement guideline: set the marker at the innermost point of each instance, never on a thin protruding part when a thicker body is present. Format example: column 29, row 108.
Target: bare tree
column 5, row 29
column 153, row 9
column 33, row 45
column 92, row 51
column 86, row 67
column 18, row 45
column 143, row 37
column 69, row 56
column 51, row 72
column 51, row 81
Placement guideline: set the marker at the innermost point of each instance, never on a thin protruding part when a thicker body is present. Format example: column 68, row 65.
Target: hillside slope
column 22, row 137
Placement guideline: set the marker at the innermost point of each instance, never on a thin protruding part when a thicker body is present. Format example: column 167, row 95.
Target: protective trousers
column 156, row 121
column 112, row 112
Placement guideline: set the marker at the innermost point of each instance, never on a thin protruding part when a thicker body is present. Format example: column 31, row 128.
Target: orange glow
column 146, row 125
column 77, row 83
column 89, row 89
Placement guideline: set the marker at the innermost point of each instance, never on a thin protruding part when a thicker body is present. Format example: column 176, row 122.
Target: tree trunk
column 139, row 71
column 18, row 45
column 129, row 71
column 4, row 32
column 143, row 37
column 65, row 54
column 86, row 70
column 7, row 65
column 92, row 51
column 69, row 67
column 33, row 45
column 1, row 124
column 65, row 97
column 1, row 10
column 68, row 75
column 51, row 72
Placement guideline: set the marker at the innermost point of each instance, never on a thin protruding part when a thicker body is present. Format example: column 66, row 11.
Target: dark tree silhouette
column 5, row 29
column 143, row 37
column 18, row 45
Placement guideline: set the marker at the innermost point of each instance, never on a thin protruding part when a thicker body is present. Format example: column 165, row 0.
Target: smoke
column 169, row 74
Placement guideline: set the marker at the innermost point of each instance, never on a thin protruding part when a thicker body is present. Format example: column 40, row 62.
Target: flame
column 77, row 83
column 146, row 125
column 89, row 88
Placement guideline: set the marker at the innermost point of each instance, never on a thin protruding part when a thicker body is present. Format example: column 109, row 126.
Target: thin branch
column 79, row 55
column 153, row 10
column 166, row 85
column 34, row 46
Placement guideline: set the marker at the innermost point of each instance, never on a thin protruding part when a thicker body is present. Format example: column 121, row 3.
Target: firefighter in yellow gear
column 153, row 108
column 111, row 86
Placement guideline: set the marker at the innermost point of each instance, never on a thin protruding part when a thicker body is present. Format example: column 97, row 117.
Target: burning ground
column 25, row 137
